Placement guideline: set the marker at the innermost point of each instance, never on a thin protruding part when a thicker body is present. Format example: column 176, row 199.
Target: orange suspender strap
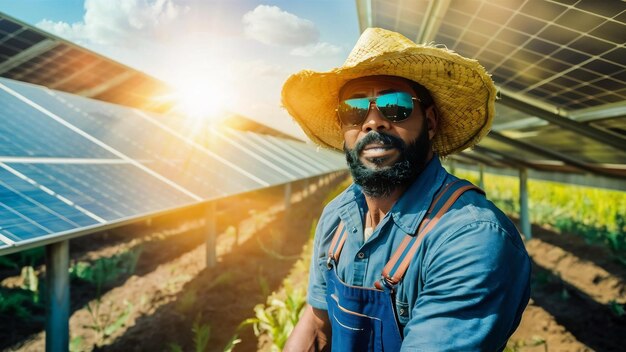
column 337, row 244
column 395, row 269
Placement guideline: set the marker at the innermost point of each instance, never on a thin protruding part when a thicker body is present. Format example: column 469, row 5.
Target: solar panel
column 134, row 135
column 25, row 131
column 557, row 52
column 31, row 55
column 70, row 162
column 276, row 157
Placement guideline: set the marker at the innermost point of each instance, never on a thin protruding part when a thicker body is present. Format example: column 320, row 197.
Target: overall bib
column 363, row 318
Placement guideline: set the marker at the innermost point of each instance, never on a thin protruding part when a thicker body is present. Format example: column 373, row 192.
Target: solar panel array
column 570, row 53
column 567, row 57
column 29, row 54
column 69, row 162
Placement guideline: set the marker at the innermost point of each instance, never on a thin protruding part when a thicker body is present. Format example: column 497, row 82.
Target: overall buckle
column 330, row 262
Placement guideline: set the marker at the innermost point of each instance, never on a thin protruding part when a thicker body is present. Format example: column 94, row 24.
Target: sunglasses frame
column 369, row 108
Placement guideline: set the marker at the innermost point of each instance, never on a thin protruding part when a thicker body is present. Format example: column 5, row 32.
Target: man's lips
column 377, row 150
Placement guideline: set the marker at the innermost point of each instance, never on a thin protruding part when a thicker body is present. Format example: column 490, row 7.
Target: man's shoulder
column 474, row 210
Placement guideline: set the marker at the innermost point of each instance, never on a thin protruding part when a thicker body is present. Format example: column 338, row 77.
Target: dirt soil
column 573, row 283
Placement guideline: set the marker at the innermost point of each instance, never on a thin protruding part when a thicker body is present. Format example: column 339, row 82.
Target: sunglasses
column 394, row 106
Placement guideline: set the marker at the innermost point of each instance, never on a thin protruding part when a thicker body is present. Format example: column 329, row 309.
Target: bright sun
column 202, row 97
column 200, row 100
column 202, row 82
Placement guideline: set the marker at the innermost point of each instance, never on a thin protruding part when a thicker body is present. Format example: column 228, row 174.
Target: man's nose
column 374, row 121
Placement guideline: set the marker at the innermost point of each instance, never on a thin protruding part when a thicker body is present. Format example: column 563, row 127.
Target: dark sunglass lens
column 396, row 106
column 353, row 111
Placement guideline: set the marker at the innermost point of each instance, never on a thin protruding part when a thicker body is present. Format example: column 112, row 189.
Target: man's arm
column 312, row 333
column 475, row 289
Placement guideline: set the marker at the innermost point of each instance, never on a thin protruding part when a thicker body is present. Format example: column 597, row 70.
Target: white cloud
column 119, row 22
column 273, row 26
column 317, row 49
column 72, row 32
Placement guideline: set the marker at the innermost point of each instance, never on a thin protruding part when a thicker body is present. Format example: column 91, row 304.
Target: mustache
column 379, row 137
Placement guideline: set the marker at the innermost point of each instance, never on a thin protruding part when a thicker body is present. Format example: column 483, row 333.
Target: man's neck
column 380, row 206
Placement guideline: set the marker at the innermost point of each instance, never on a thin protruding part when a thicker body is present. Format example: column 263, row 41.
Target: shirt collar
column 410, row 209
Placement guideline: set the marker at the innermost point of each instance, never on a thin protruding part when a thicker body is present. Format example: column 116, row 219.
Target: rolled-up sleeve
column 476, row 286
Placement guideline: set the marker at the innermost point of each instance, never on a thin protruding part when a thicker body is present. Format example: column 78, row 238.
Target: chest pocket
column 402, row 312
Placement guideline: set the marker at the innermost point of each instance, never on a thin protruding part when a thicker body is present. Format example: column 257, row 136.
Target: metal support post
column 306, row 188
column 481, row 176
column 287, row 197
column 524, row 215
column 58, row 296
column 211, row 235
column 276, row 238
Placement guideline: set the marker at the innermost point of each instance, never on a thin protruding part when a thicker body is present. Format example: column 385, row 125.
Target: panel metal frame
column 594, row 133
column 549, row 153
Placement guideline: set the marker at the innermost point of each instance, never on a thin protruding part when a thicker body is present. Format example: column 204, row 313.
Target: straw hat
column 463, row 91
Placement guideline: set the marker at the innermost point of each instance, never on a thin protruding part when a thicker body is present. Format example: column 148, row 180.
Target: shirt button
column 354, row 229
column 361, row 255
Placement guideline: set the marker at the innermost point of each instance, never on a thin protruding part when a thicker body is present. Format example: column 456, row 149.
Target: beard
column 381, row 182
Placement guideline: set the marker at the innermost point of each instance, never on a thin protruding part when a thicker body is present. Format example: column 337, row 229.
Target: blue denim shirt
column 469, row 282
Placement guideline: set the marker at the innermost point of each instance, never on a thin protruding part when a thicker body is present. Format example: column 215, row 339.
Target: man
column 408, row 257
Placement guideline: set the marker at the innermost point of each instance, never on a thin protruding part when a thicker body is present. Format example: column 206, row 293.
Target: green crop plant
column 278, row 317
column 234, row 341
column 202, row 336
column 520, row 345
column 30, row 281
column 105, row 325
column 76, row 344
column 104, row 271
column 17, row 303
column 30, row 257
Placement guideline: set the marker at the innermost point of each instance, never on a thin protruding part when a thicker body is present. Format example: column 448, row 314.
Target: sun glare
column 203, row 86
column 202, row 98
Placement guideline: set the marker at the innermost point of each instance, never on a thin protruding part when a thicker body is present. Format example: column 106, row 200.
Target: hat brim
column 463, row 92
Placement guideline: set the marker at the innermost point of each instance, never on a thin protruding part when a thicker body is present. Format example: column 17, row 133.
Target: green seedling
column 201, row 334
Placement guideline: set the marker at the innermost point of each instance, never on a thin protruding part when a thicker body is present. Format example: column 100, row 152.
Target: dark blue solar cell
column 27, row 132
column 36, row 197
column 31, row 211
column 110, row 192
column 17, row 228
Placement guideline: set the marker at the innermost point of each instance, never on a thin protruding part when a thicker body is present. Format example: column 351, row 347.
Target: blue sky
column 229, row 54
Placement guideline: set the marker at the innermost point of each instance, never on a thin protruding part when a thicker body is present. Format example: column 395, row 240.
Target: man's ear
column 432, row 121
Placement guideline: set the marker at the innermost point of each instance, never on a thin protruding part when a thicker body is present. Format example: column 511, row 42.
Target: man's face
column 382, row 154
